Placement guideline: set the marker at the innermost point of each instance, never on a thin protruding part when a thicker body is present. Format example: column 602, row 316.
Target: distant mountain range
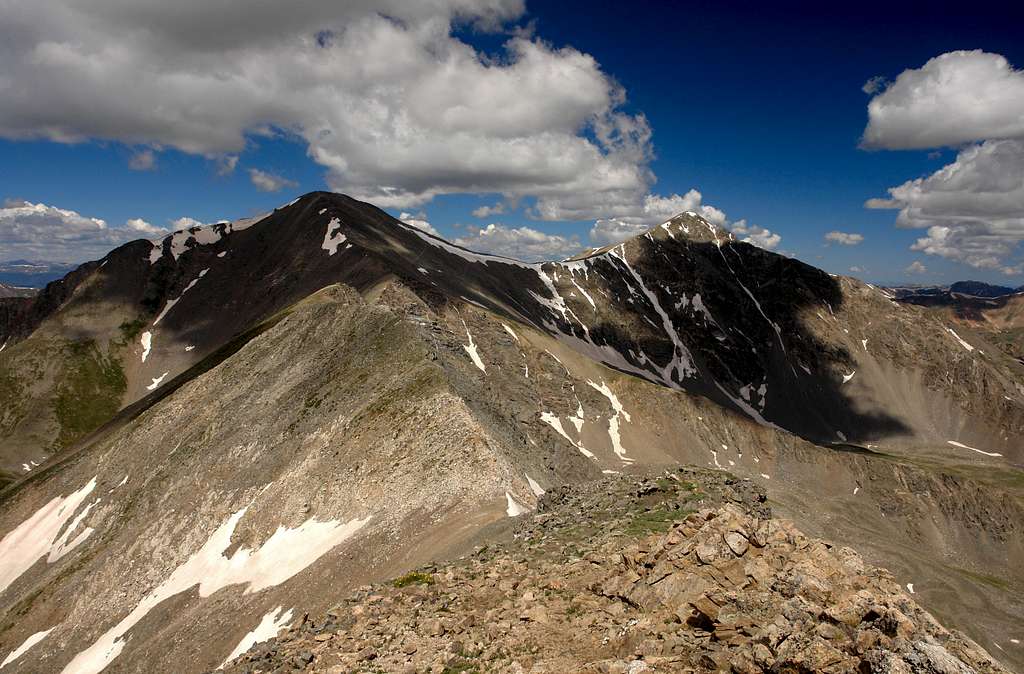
column 969, row 288
column 15, row 291
column 32, row 274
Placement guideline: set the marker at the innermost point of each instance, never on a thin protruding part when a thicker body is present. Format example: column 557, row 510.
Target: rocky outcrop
column 724, row 587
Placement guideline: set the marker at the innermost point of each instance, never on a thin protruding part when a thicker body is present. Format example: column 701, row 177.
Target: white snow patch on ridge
column 511, row 332
column 20, row 650
column 556, row 423
column 270, row 626
column 682, row 361
column 471, row 350
column 332, row 241
column 514, row 507
column 959, row 339
column 537, row 490
column 40, row 535
column 613, row 422
column 170, row 303
column 147, row 344
column 957, row 444
column 157, row 381
column 284, row 554
column 848, row 377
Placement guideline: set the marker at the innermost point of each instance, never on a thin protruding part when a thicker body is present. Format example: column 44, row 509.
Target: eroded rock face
column 583, row 589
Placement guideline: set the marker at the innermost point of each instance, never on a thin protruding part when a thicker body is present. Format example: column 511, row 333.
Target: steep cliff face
column 183, row 416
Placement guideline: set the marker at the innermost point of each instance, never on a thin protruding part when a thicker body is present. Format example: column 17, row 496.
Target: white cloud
column 40, row 232
column 226, row 164
column 613, row 230
column 654, row 210
column 186, row 222
column 386, row 98
column 972, row 208
column 844, row 238
column 759, row 236
column 142, row 161
column 522, row 243
column 419, row 221
column 857, row 270
column 916, row 267
column 874, row 85
column 144, row 228
column 955, row 98
column 269, row 182
column 488, row 211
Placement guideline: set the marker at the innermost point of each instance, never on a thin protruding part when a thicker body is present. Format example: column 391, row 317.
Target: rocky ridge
column 688, row 572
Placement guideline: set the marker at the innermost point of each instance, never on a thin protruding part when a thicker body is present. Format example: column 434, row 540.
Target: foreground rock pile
column 628, row 575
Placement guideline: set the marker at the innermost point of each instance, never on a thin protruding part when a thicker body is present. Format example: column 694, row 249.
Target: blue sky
column 760, row 110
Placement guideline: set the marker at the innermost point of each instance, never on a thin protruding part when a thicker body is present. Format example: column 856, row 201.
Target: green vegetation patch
column 131, row 329
column 658, row 520
column 12, row 400
column 89, row 393
column 414, row 578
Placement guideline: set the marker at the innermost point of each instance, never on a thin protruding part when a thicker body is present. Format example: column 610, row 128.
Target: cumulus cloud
column 37, row 231
column 226, row 164
column 419, row 221
column 759, row 236
column 142, row 161
column 186, row 222
column 384, row 94
column 916, row 267
column 955, row 98
column 522, row 243
column 654, row 210
column 972, row 208
column 269, row 182
column 844, row 238
column 488, row 211
column 874, row 85
column 144, row 228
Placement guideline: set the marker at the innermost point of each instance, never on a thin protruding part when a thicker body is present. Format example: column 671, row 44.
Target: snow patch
column 20, row 650
column 910, row 588
column 333, row 237
column 681, row 361
column 556, row 423
column 514, row 508
column 147, row 344
column 156, row 382
column 270, row 626
column 511, row 332
column 284, row 554
column 40, row 535
column 537, row 490
column 613, row 422
column 189, row 348
column 959, row 339
column 957, row 444
column 471, row 350
column 848, row 377
column 170, row 303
